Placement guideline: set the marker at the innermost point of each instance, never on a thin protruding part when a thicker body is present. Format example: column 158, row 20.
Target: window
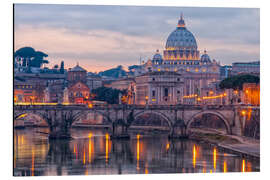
column 166, row 92
column 178, row 79
column 153, row 79
column 178, row 92
column 153, row 93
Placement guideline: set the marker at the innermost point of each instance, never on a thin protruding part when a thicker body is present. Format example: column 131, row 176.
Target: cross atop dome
column 181, row 22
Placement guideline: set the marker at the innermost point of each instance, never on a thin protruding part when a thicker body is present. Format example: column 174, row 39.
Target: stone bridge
column 179, row 117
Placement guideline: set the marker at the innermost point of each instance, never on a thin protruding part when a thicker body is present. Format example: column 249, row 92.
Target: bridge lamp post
column 243, row 113
column 146, row 100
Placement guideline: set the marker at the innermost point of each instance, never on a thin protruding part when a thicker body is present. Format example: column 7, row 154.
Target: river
column 93, row 152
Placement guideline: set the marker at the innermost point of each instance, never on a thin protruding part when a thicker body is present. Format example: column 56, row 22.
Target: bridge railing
column 128, row 106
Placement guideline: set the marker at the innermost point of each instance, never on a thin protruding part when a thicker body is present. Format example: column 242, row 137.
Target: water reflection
column 93, row 152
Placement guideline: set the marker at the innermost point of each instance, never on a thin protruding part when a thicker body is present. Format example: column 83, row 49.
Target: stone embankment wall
column 252, row 125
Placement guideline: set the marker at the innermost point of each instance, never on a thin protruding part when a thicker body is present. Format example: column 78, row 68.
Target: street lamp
column 146, row 99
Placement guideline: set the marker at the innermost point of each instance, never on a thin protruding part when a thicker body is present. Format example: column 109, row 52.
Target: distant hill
column 114, row 72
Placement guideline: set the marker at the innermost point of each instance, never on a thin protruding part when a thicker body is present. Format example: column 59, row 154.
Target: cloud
column 114, row 35
column 106, row 47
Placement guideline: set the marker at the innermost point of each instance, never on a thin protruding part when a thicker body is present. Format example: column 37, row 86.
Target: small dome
column 205, row 58
column 157, row 56
column 78, row 68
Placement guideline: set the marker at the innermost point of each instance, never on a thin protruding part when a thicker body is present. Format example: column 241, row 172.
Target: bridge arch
column 76, row 117
column 18, row 115
column 158, row 113
column 222, row 117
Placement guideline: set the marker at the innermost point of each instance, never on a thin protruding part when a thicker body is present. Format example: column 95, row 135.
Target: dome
column 77, row 68
column 205, row 58
column 157, row 56
column 181, row 38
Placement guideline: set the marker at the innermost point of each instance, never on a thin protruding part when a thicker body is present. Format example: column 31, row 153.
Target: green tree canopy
column 236, row 82
column 34, row 58
column 110, row 95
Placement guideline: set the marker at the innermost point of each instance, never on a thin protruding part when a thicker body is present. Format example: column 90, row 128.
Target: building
column 79, row 93
column 159, row 87
column 25, row 92
column 225, row 71
column 93, row 81
column 200, row 73
column 38, row 82
column 77, row 90
column 246, row 68
column 120, row 84
column 251, row 94
column 76, row 74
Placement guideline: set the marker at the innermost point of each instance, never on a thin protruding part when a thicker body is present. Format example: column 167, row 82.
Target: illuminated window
column 196, row 69
column 204, row 70
column 158, row 69
column 187, row 69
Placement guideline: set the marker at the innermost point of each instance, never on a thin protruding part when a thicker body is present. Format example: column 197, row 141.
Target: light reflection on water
column 93, row 152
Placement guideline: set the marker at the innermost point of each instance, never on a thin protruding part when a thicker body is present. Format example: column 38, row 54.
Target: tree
column 62, row 67
column 236, row 82
column 110, row 95
column 26, row 53
column 31, row 57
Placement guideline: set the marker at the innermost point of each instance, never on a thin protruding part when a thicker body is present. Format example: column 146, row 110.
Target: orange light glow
column 213, row 97
column 167, row 146
column 22, row 140
column 83, row 156
column 138, row 151
column 21, row 116
column 194, row 156
column 215, row 158
column 107, row 147
column 243, row 112
column 243, row 166
column 225, row 167
column 90, row 105
column 90, row 148
column 191, row 96
column 33, row 162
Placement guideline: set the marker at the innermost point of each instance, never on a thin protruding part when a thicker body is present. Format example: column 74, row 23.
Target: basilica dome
column 181, row 44
column 181, row 38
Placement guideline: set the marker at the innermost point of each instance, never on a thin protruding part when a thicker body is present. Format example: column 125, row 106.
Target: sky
column 103, row 37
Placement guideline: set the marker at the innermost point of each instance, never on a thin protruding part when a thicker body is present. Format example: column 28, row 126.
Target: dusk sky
column 102, row 37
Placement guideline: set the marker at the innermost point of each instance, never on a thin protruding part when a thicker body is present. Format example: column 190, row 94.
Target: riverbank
column 242, row 146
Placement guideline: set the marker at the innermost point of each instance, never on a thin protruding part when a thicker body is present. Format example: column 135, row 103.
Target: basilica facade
column 199, row 73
